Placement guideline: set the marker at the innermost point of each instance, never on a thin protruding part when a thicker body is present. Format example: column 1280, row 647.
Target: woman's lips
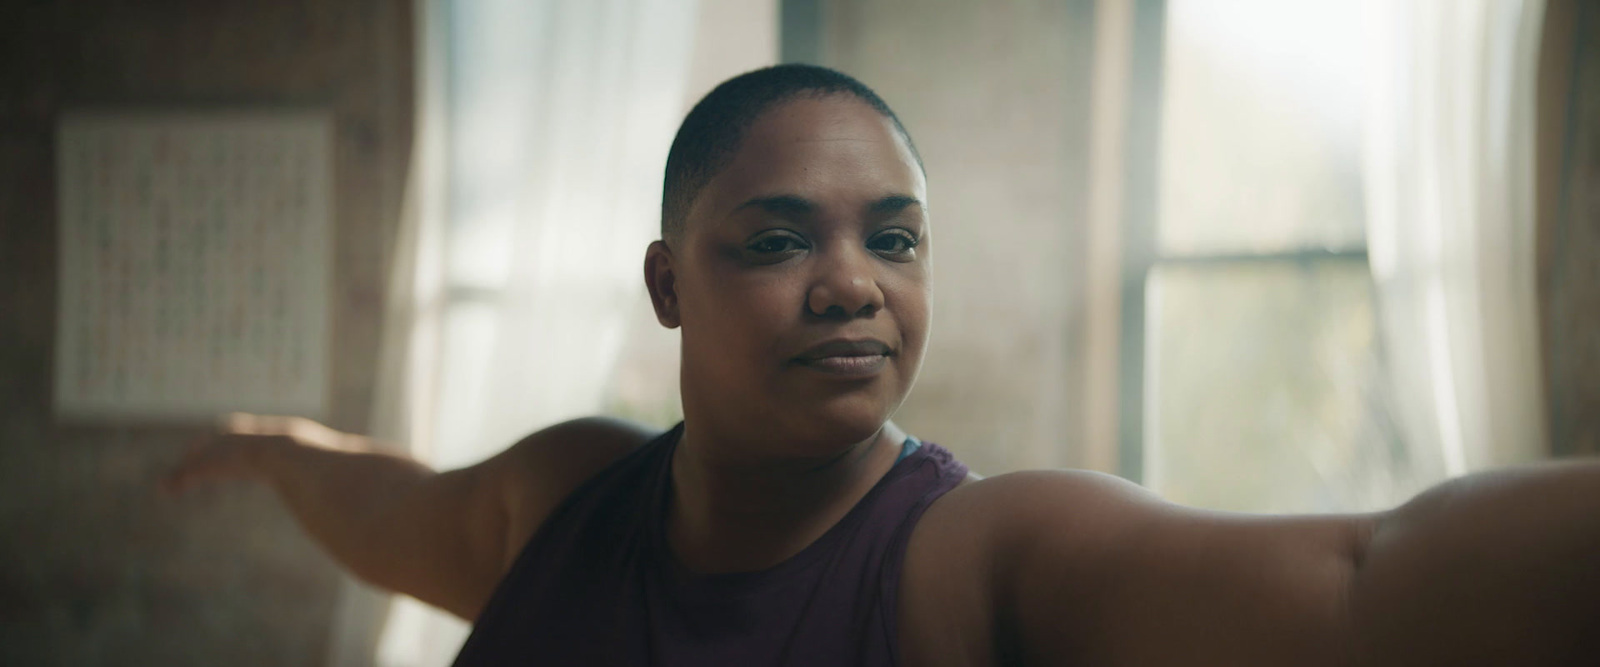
column 849, row 366
column 847, row 358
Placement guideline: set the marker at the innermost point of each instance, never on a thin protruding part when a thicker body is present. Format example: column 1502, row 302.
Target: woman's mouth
column 849, row 366
column 847, row 358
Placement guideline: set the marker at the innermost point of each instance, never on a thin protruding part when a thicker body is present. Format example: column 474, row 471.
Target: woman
column 788, row 521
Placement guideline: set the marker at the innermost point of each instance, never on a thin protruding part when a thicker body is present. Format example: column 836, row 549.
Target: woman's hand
column 242, row 445
column 443, row 538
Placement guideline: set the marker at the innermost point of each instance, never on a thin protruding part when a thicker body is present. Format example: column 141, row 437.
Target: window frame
column 1141, row 248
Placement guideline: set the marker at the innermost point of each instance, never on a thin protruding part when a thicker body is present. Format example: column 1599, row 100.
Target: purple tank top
column 597, row 585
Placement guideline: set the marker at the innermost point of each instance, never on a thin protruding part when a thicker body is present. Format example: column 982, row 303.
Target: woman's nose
column 846, row 287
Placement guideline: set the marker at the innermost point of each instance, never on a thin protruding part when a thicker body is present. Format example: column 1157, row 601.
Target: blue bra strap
column 910, row 445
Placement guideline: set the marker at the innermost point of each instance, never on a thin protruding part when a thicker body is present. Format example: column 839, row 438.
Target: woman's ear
column 662, row 282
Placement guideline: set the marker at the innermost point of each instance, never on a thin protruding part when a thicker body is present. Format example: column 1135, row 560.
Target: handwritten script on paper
column 194, row 253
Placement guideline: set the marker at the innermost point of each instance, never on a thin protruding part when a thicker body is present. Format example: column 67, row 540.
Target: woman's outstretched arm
column 445, row 538
column 1497, row 568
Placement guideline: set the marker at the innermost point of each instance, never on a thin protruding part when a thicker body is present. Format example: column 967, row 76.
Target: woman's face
column 801, row 280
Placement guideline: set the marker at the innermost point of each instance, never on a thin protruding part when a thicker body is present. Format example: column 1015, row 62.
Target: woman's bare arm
column 1500, row 568
column 444, row 538
column 1497, row 568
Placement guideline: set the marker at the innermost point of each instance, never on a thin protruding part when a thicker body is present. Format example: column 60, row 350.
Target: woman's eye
column 893, row 243
column 775, row 244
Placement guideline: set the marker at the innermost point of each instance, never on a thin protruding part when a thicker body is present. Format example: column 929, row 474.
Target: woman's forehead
column 835, row 151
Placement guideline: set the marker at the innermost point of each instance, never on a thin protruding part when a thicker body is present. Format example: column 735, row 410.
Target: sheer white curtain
column 1449, row 181
column 543, row 130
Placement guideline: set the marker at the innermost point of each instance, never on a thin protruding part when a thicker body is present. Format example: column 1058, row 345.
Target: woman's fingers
column 222, row 455
column 208, row 459
column 232, row 450
column 298, row 429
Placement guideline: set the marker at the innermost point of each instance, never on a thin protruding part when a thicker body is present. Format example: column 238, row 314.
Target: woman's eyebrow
column 795, row 206
column 893, row 204
column 789, row 206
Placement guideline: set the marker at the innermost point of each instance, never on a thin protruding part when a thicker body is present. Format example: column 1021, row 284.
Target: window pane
column 1260, row 135
column 1265, row 388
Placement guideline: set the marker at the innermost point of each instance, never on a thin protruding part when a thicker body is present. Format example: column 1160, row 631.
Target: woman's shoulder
column 997, row 519
column 965, row 562
column 989, row 523
column 539, row 472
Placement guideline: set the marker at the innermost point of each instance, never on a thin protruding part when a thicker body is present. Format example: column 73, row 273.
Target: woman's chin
column 841, row 425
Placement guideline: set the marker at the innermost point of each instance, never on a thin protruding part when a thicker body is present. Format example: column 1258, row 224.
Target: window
column 1255, row 360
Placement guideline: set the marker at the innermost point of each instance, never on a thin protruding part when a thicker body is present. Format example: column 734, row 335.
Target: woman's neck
column 741, row 514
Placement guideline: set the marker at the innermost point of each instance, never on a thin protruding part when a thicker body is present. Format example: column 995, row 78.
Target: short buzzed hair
column 714, row 129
